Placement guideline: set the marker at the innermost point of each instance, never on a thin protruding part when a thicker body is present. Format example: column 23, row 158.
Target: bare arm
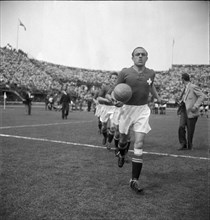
column 154, row 93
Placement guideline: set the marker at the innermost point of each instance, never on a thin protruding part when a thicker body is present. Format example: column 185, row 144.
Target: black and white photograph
column 104, row 110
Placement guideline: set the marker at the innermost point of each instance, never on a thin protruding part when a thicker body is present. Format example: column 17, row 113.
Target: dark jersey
column 28, row 98
column 139, row 82
column 104, row 90
column 65, row 99
column 96, row 94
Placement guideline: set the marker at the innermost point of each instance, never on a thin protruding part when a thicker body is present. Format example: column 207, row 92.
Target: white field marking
column 40, row 125
column 11, row 107
column 53, row 141
column 175, row 155
column 95, row 146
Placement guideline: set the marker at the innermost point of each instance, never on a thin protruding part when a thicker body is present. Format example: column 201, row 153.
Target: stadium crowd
column 19, row 71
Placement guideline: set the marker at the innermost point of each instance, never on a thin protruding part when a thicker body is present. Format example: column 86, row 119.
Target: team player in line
column 135, row 113
column 105, row 109
column 114, row 125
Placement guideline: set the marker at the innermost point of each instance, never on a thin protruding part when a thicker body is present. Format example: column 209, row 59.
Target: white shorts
column 106, row 112
column 115, row 117
column 135, row 117
column 98, row 110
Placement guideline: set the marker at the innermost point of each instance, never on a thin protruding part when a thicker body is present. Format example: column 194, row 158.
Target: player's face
column 113, row 79
column 140, row 57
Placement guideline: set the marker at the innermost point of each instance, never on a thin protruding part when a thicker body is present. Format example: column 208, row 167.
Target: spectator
column 28, row 101
column 89, row 99
column 191, row 99
column 65, row 101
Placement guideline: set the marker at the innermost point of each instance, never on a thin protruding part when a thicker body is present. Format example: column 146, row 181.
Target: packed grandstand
column 19, row 71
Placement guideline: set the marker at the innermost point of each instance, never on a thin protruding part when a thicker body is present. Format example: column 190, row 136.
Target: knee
column 112, row 129
column 138, row 144
column 117, row 135
column 123, row 138
column 104, row 125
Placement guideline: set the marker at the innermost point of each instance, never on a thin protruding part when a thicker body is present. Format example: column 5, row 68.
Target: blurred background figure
column 65, row 102
column 28, row 101
column 89, row 99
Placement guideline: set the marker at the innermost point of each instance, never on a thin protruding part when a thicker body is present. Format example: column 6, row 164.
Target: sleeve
column 110, row 89
column 96, row 95
column 61, row 100
column 200, row 96
column 69, row 98
column 121, row 77
column 27, row 97
column 101, row 92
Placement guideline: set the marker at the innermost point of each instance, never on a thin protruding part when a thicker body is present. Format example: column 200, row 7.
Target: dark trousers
column 28, row 107
column 186, row 124
column 65, row 110
column 89, row 105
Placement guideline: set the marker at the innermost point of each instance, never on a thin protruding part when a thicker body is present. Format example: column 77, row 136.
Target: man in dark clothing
column 65, row 101
column 27, row 101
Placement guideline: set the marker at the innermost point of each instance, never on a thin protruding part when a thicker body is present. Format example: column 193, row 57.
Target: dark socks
column 136, row 169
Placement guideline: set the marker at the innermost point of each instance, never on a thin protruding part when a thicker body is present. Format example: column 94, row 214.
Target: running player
column 106, row 106
column 135, row 113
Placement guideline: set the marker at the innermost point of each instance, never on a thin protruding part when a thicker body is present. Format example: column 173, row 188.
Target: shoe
column 190, row 147
column 121, row 160
column 183, row 147
column 134, row 185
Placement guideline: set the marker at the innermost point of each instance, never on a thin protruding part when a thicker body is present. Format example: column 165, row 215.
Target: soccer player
column 97, row 110
column 106, row 108
column 114, row 126
column 135, row 113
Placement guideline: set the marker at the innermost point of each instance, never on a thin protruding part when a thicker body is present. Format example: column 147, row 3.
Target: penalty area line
column 95, row 146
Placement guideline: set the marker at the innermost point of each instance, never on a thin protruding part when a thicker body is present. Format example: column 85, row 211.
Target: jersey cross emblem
column 149, row 81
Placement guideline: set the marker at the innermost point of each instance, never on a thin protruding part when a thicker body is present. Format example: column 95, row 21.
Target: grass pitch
column 57, row 169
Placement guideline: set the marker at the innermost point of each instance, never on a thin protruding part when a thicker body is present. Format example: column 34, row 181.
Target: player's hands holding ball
column 121, row 94
column 115, row 102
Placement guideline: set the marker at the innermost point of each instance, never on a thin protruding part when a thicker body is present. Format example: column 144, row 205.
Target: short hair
column 113, row 74
column 185, row 77
column 139, row 48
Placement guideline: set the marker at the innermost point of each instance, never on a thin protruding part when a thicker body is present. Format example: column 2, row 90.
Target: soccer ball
column 122, row 92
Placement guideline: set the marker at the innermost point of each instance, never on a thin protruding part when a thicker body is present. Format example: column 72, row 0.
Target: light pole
column 17, row 36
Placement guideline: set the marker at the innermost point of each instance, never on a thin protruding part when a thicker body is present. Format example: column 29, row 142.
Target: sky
column 101, row 35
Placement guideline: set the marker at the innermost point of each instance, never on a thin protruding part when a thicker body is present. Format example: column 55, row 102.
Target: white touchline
column 40, row 125
column 95, row 146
